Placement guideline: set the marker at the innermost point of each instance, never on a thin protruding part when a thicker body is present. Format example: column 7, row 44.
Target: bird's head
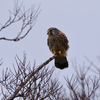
column 52, row 31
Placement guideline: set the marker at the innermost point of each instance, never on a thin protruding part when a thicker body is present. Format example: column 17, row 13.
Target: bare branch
column 97, row 68
column 95, row 86
column 81, row 86
column 24, row 81
column 1, row 62
column 27, row 18
column 72, row 84
column 29, row 84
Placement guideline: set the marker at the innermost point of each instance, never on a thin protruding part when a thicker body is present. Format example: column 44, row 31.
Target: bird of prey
column 58, row 45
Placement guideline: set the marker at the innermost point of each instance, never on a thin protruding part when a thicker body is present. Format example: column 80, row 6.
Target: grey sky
column 78, row 19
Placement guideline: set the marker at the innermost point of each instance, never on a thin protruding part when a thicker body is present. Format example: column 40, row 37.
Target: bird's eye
column 51, row 32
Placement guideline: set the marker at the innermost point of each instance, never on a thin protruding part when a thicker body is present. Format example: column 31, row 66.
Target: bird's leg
column 57, row 53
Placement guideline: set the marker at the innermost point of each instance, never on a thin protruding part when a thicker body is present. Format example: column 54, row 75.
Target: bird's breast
column 55, row 46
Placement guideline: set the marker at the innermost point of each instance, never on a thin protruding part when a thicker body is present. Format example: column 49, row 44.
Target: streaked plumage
column 57, row 41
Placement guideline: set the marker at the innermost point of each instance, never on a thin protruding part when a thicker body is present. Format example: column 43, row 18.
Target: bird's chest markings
column 55, row 43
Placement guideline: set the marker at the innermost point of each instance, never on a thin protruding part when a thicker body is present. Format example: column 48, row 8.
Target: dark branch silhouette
column 29, row 77
column 26, row 17
column 31, row 82
column 1, row 62
column 81, row 85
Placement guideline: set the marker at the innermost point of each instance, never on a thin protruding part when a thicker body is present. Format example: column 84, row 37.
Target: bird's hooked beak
column 48, row 32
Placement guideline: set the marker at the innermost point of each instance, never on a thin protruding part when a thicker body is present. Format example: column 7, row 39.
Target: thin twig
column 29, row 77
column 27, row 17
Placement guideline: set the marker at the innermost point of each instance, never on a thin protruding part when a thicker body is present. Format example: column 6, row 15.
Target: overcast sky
column 78, row 19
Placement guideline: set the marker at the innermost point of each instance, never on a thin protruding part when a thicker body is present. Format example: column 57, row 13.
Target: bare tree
column 82, row 86
column 26, row 17
column 39, row 85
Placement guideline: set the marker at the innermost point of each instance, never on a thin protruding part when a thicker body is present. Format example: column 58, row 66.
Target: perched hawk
column 58, row 44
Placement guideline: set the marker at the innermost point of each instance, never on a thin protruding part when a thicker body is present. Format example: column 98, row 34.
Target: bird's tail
column 61, row 62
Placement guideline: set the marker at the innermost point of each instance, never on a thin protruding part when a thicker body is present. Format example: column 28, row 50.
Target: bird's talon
column 54, row 53
column 59, row 53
